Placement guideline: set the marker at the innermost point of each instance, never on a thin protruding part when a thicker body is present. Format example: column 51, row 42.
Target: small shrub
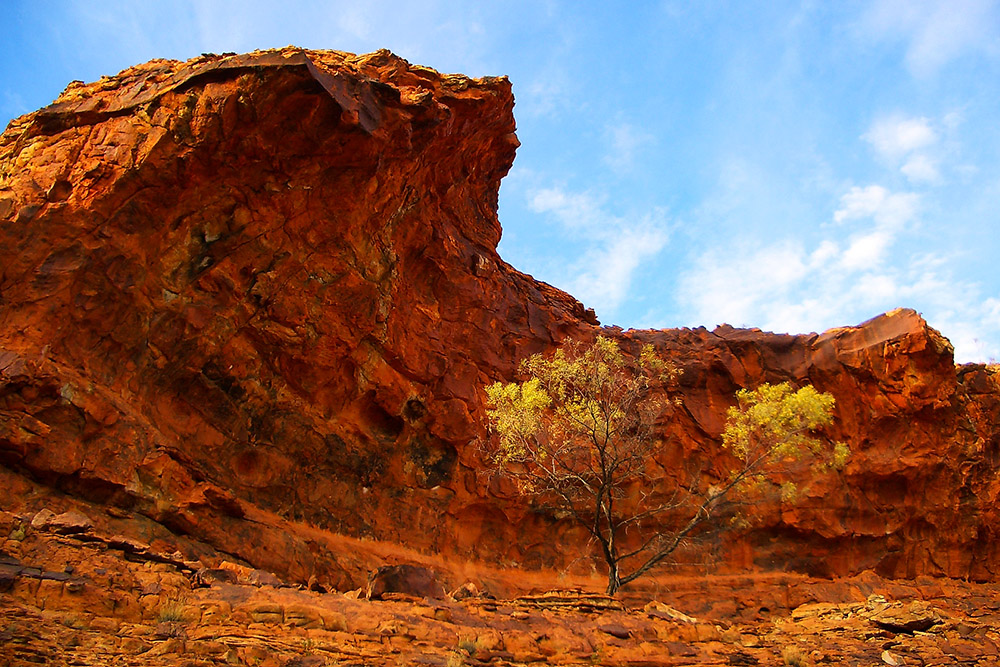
column 794, row 657
column 171, row 612
column 468, row 644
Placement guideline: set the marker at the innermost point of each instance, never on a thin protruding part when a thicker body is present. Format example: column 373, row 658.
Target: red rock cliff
column 255, row 298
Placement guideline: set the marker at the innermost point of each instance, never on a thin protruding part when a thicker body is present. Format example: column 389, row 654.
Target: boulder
column 915, row 616
column 413, row 580
column 66, row 523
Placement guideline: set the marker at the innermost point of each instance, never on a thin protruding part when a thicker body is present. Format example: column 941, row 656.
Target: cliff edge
column 248, row 304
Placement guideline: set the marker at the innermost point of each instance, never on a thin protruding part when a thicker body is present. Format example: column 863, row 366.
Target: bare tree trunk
column 614, row 580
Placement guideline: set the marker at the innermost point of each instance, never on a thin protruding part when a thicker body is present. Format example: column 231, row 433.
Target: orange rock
column 406, row 579
column 254, row 299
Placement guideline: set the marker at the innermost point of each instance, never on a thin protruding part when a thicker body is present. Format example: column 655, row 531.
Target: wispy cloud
column 909, row 145
column 354, row 21
column 888, row 210
column 575, row 210
column 865, row 250
column 967, row 320
column 785, row 286
column 546, row 95
column 604, row 277
column 624, row 142
column 895, row 137
column 936, row 32
column 921, row 169
column 991, row 312
column 743, row 283
column 614, row 247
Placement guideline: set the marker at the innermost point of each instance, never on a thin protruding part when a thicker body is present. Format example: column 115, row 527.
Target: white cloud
column 966, row 333
column 354, row 21
column 574, row 210
column 896, row 137
column 614, row 247
column 865, row 250
column 912, row 145
column 889, row 210
column 782, row 288
column 936, row 32
column 991, row 310
column 877, row 288
column 949, row 30
column 786, row 286
column 921, row 148
column 548, row 94
column 964, row 324
column 921, row 169
column 824, row 254
column 605, row 275
column 741, row 285
column 953, row 120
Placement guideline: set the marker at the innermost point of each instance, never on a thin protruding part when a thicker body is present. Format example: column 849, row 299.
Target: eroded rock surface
column 71, row 600
column 248, row 304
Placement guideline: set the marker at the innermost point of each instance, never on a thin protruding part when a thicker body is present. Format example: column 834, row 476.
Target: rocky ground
column 70, row 595
column 249, row 304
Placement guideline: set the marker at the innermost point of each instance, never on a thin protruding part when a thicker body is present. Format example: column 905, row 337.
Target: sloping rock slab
column 914, row 617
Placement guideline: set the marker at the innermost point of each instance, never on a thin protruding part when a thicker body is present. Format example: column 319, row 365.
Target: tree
column 579, row 435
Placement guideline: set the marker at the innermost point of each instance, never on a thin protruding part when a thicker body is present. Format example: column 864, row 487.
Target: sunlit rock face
column 255, row 299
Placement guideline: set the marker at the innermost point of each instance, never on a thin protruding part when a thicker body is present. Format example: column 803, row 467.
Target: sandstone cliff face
column 255, row 299
column 919, row 493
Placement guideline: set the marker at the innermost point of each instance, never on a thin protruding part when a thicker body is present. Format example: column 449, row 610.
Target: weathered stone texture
column 255, row 299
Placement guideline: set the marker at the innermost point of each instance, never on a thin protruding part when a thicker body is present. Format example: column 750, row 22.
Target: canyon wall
column 253, row 300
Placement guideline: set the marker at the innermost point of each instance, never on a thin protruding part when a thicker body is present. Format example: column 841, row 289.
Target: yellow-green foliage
column 773, row 424
column 18, row 534
column 776, row 422
column 590, row 399
column 841, row 452
column 515, row 412
column 579, row 434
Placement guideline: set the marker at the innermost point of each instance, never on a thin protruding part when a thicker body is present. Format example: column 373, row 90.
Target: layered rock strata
column 80, row 600
column 251, row 301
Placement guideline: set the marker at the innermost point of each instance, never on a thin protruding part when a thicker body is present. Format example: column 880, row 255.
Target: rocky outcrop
column 919, row 494
column 253, row 300
column 66, row 600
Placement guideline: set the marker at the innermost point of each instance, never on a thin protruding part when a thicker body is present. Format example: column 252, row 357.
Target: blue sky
column 792, row 166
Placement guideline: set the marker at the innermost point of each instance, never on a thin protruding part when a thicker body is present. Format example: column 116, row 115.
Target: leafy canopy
column 590, row 402
column 773, row 425
column 775, row 421
column 581, row 433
